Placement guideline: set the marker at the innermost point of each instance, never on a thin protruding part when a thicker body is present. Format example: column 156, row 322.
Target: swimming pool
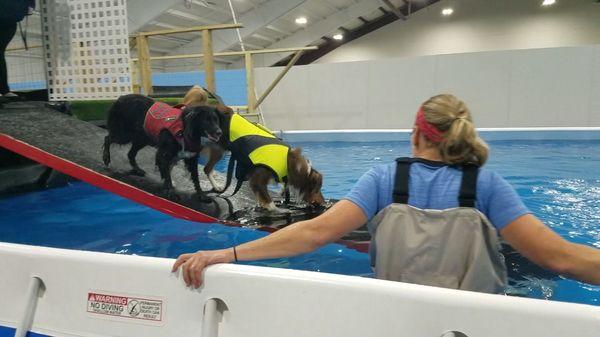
column 558, row 180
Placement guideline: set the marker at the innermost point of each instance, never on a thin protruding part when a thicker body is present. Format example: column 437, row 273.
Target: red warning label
column 125, row 307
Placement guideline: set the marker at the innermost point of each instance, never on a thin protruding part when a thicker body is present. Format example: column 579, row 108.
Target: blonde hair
column 461, row 143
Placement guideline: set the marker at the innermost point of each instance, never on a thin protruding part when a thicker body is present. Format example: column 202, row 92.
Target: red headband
column 429, row 130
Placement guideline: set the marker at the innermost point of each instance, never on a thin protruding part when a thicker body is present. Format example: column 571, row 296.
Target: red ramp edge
column 104, row 182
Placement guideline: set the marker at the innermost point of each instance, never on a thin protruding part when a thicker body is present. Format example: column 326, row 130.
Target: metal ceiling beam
column 277, row 30
column 328, row 6
column 192, row 17
column 265, row 38
column 253, row 20
column 315, row 31
column 162, row 25
column 140, row 12
column 252, row 46
column 394, row 9
column 208, row 5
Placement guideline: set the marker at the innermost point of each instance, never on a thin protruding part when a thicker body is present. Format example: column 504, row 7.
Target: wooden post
column 209, row 62
column 250, row 82
column 135, row 84
column 144, row 64
column 278, row 78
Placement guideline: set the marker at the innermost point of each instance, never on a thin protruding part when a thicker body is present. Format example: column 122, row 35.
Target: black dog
column 128, row 123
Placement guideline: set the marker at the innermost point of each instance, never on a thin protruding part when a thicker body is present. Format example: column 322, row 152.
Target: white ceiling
column 267, row 23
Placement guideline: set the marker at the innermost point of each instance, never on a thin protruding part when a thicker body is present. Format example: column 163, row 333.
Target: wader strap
column 468, row 186
column 401, row 182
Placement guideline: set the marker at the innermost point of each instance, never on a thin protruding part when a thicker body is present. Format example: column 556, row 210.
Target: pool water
column 558, row 181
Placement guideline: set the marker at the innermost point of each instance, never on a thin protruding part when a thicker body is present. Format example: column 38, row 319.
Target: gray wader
column 453, row 248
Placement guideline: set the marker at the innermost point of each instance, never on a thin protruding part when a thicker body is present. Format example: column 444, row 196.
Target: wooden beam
column 230, row 53
column 144, row 64
column 132, row 42
column 209, row 65
column 279, row 77
column 280, row 50
column 192, row 29
column 250, row 82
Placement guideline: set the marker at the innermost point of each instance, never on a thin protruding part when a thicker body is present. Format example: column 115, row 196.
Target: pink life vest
column 162, row 116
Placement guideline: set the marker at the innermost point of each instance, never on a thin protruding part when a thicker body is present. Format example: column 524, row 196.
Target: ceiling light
column 338, row 36
column 548, row 2
column 301, row 20
column 447, row 11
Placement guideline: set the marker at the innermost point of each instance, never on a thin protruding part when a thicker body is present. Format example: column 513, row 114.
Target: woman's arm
column 530, row 237
column 301, row 237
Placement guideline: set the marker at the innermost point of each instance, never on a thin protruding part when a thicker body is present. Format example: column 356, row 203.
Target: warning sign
column 125, row 307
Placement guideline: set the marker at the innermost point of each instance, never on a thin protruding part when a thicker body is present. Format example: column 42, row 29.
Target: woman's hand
column 192, row 265
column 300, row 237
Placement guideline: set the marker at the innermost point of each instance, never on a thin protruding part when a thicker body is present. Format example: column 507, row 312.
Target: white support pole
column 28, row 312
column 210, row 320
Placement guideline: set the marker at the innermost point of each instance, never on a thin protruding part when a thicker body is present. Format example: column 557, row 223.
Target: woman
column 445, row 143
column 11, row 12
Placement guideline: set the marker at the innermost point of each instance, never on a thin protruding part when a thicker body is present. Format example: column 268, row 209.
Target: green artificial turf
column 97, row 110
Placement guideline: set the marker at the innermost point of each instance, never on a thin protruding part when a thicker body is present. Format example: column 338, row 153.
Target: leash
column 24, row 33
column 239, row 182
column 286, row 195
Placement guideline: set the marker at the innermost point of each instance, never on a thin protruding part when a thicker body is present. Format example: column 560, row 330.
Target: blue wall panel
column 231, row 84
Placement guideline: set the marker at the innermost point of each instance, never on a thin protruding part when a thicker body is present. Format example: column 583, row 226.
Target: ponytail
column 461, row 144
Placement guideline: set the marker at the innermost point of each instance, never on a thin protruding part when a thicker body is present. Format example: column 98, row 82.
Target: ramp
column 74, row 147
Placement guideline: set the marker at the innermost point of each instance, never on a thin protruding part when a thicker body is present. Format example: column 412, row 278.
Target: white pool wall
column 259, row 301
column 552, row 87
column 488, row 134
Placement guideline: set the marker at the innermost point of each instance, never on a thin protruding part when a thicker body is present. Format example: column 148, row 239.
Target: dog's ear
column 222, row 117
column 293, row 155
column 189, row 115
column 296, row 152
column 224, row 109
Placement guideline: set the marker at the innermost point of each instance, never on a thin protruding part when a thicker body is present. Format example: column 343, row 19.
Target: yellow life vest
column 254, row 145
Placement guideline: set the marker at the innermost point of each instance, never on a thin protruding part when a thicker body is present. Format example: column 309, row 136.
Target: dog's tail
column 116, row 124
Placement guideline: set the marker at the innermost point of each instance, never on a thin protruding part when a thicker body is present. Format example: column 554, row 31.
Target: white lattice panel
column 86, row 49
